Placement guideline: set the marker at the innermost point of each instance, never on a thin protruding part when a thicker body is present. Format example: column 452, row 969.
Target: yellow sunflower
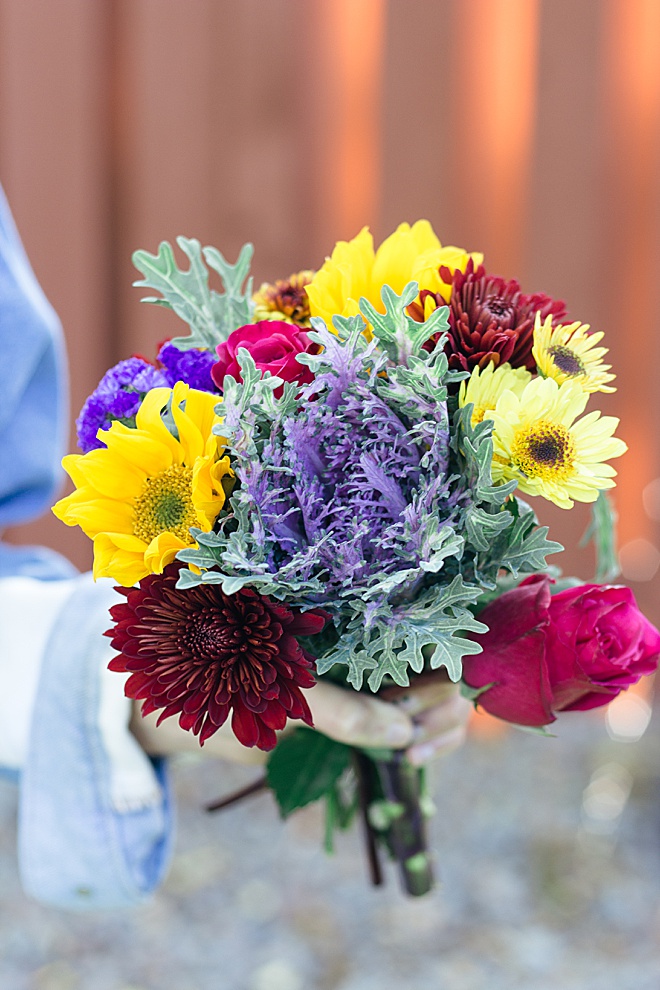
column 355, row 270
column 539, row 442
column 137, row 497
column 484, row 387
column 570, row 352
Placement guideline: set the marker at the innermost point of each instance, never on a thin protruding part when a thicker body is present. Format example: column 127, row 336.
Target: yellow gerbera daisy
column 355, row 270
column 484, row 387
column 539, row 442
column 137, row 497
column 570, row 352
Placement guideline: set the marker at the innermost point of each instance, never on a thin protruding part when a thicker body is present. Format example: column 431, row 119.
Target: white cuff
column 29, row 610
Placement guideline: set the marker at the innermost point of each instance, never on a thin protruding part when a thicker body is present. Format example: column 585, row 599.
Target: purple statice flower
column 192, row 367
column 117, row 396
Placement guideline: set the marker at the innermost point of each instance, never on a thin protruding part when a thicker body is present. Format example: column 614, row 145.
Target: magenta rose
column 571, row 651
column 273, row 345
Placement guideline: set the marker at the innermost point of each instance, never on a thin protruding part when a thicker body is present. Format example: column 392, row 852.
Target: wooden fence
column 529, row 129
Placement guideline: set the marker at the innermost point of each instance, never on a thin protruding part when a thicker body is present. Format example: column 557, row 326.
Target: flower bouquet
column 322, row 480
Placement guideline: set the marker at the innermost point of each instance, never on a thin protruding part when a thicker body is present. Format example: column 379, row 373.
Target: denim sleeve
column 33, row 385
column 79, row 847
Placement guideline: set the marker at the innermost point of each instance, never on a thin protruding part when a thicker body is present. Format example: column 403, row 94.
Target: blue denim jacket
column 77, row 848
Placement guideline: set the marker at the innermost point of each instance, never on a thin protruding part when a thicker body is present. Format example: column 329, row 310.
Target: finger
column 420, row 697
column 445, row 717
column 440, row 730
column 422, row 753
column 358, row 719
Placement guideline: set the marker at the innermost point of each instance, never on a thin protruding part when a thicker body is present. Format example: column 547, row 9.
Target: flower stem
column 402, row 785
column 258, row 785
column 363, row 771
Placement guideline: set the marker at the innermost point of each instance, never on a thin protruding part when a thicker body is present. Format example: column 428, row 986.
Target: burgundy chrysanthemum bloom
column 490, row 319
column 201, row 654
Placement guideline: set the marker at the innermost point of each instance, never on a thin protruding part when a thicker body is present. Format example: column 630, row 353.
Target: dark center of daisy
column 544, row 450
column 566, row 360
column 165, row 505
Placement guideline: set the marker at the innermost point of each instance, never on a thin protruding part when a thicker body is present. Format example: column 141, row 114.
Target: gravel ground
column 549, row 851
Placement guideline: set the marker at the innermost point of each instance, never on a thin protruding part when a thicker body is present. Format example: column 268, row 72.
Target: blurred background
column 525, row 129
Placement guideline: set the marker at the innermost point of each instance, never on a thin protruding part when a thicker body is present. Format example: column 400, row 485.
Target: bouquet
column 323, row 479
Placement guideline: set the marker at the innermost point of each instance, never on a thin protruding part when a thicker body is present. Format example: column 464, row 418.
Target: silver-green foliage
column 211, row 316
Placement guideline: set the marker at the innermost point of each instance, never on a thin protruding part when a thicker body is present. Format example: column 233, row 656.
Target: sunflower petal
column 119, row 556
column 162, row 551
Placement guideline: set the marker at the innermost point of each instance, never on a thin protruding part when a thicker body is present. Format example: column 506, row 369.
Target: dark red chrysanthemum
column 201, row 654
column 490, row 319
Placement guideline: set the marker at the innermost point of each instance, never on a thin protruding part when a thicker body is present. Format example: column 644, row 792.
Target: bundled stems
column 402, row 786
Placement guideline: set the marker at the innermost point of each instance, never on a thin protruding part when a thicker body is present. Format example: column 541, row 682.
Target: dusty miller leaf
column 211, row 316
column 397, row 333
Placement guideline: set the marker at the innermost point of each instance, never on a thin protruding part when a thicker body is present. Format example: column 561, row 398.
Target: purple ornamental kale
column 117, row 396
column 350, row 479
column 360, row 468
column 192, row 367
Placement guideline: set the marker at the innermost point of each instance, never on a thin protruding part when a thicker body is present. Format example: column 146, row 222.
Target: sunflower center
column 566, row 360
column 544, row 450
column 166, row 506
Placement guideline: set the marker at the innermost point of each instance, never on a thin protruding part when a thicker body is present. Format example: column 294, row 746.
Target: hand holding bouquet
column 321, row 481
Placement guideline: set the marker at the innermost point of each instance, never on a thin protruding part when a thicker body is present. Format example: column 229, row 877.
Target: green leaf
column 472, row 693
column 340, row 808
column 603, row 533
column 522, row 547
column 211, row 316
column 348, row 650
column 427, row 631
column 390, row 664
column 530, row 554
column 419, row 388
column 358, row 662
column 535, row 730
column 412, row 654
column 304, row 767
column 397, row 333
column 483, row 527
column 449, row 653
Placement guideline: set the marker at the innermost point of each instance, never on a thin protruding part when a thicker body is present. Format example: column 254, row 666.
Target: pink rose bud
column 273, row 345
column 571, row 651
